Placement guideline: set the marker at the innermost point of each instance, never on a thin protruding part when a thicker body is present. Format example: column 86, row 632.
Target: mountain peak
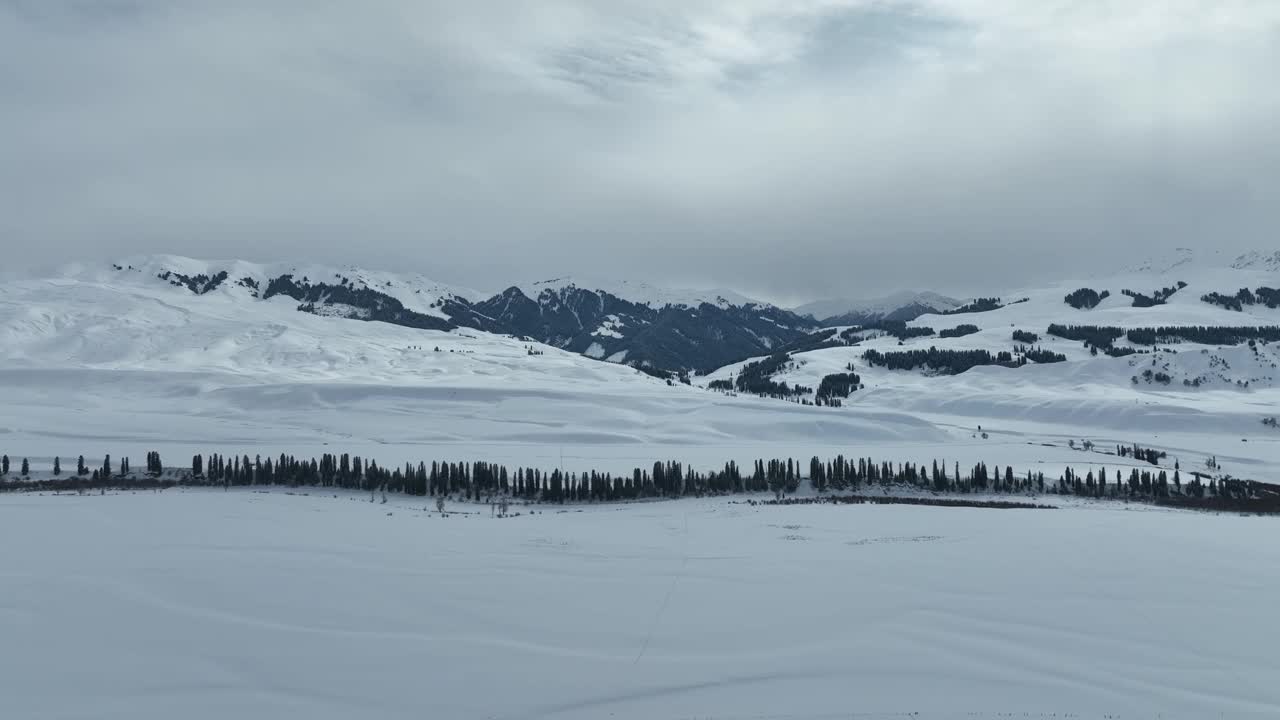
column 879, row 308
column 639, row 292
column 1258, row 260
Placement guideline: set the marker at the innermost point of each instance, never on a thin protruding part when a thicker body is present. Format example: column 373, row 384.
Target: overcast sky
column 787, row 149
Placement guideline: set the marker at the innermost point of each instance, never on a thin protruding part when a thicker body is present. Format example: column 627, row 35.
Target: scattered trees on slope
column 1041, row 356
column 1262, row 296
column 1086, row 298
column 977, row 306
column 374, row 305
column 1159, row 297
column 836, row 387
column 757, row 378
column 198, row 284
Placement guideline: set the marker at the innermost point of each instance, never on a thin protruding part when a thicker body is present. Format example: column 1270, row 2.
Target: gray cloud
column 788, row 149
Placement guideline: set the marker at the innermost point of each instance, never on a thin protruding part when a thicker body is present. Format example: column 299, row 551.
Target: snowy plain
column 204, row 604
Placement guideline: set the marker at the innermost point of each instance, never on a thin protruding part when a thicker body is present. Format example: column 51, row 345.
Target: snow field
column 204, row 604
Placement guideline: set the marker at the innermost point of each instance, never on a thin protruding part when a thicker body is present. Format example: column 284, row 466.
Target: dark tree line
column 1040, row 355
column 1159, row 297
column 1093, row 336
column 1026, row 338
column 1103, row 337
column 1262, row 296
column 847, row 474
column 900, row 330
column 1203, row 335
column 977, row 306
column 959, row 331
column 819, row 340
column 484, row 481
column 1086, row 298
column 950, row 362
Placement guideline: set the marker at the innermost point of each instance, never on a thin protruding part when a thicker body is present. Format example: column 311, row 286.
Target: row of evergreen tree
column 959, row 331
column 485, row 481
column 950, row 362
column 1203, row 335
column 154, row 467
column 1104, row 337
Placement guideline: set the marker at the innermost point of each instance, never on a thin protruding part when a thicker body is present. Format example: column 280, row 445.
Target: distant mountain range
column 902, row 306
column 661, row 331
column 667, row 333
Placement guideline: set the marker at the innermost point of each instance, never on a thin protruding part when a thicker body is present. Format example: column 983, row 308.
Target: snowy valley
column 518, row 523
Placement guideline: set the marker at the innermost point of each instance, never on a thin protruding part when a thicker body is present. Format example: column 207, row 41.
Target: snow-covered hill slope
column 105, row 360
column 1164, row 387
column 632, row 322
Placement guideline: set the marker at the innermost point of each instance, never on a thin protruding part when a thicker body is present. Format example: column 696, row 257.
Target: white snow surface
column 204, row 604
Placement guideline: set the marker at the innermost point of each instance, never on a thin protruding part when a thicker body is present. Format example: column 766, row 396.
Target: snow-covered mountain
column 639, row 292
column 1191, row 340
column 170, row 354
column 900, row 306
column 1260, row 261
column 632, row 322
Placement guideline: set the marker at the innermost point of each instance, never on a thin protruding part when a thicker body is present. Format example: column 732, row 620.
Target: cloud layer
column 789, row 149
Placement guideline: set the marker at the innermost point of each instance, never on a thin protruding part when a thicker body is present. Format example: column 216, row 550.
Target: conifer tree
column 57, row 466
column 26, row 468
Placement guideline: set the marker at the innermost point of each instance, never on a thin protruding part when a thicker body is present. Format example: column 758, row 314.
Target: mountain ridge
column 661, row 331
